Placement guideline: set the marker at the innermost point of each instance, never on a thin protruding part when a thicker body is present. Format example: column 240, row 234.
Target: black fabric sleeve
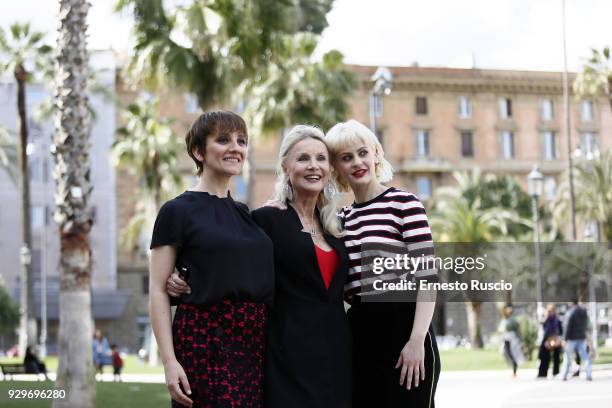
column 168, row 228
column 264, row 217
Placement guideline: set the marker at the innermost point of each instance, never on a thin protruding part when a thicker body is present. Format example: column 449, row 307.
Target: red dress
column 328, row 263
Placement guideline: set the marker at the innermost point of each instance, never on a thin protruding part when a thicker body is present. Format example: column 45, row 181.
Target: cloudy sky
column 513, row 34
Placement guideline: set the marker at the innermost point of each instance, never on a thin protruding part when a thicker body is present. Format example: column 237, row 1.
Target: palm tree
column 24, row 46
column 596, row 76
column 234, row 45
column 147, row 146
column 297, row 91
column 459, row 217
column 73, row 213
column 592, row 181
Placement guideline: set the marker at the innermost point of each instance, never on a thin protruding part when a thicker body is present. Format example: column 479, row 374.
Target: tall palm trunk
column 474, row 318
column 27, row 326
column 72, row 174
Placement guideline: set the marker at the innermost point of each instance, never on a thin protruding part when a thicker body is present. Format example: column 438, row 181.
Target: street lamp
column 382, row 81
column 535, row 181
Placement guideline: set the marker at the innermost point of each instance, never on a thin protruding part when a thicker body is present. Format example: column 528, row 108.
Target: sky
column 502, row 34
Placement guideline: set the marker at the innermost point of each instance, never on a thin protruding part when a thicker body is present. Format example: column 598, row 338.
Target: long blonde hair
column 344, row 134
column 327, row 207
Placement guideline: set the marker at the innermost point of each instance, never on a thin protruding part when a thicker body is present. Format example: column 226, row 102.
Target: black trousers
column 380, row 331
column 544, row 354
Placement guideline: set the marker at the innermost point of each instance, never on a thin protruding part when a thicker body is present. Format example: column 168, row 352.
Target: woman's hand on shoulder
column 177, row 383
column 275, row 204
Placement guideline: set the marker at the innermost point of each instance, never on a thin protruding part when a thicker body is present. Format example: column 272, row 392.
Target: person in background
column 101, row 352
column 32, row 364
column 511, row 346
column 576, row 325
column 117, row 363
column 552, row 342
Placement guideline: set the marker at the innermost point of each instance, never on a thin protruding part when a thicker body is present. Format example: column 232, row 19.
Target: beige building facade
column 434, row 122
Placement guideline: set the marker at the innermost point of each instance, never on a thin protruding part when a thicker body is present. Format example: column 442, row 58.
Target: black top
column 226, row 254
column 308, row 345
column 576, row 324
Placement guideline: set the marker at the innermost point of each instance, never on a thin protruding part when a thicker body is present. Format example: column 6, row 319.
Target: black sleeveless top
column 226, row 255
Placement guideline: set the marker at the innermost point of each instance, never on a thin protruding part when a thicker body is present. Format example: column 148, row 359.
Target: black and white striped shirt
column 395, row 218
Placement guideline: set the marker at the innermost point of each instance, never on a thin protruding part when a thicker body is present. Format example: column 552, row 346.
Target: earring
column 330, row 191
column 288, row 191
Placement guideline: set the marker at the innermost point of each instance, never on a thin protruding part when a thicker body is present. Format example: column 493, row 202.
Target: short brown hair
column 211, row 123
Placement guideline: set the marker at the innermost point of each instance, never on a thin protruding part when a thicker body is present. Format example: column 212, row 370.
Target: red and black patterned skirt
column 221, row 347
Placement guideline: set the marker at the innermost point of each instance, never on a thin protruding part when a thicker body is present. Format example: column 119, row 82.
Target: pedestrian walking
column 576, row 325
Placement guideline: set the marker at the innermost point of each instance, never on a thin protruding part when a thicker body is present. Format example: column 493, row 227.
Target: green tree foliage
column 148, row 148
column 478, row 210
column 596, row 76
column 9, row 312
column 256, row 54
column 592, row 192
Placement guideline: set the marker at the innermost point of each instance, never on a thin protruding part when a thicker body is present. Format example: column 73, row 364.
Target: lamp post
column 568, row 130
column 535, row 181
column 382, row 81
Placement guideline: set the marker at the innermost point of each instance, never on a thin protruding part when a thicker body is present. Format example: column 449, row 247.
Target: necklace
column 312, row 230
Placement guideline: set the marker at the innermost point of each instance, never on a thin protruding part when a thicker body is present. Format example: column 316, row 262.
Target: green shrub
column 528, row 334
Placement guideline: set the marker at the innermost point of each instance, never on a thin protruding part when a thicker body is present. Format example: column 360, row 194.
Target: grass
column 491, row 359
column 131, row 365
column 107, row 394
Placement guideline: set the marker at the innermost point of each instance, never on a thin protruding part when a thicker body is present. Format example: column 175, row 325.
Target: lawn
column 107, row 394
column 490, row 359
column 131, row 365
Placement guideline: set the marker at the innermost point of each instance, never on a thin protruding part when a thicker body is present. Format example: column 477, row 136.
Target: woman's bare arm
column 161, row 265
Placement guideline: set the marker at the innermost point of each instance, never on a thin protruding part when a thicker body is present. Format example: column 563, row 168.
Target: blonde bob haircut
column 327, row 207
column 350, row 133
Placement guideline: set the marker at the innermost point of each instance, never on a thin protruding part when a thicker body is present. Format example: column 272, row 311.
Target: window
column 507, row 144
column 381, row 136
column 546, row 109
column 423, row 187
column 240, row 189
column 421, row 105
column 550, row 187
column 588, row 143
column 505, row 108
column 36, row 169
column 39, row 216
column 465, row 107
column 422, row 143
column 467, row 144
column 145, row 284
column 586, row 111
column 550, row 146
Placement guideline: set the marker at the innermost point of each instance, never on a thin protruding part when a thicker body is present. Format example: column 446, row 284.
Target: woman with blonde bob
column 308, row 343
column 387, row 336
